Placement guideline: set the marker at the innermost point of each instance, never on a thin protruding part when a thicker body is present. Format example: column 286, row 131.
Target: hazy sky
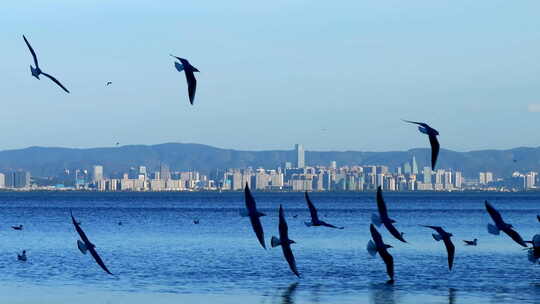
column 333, row 75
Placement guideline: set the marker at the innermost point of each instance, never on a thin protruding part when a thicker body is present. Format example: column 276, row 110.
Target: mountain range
column 51, row 161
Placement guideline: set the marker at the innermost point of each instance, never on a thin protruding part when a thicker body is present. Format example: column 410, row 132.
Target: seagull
column 376, row 245
column 383, row 217
column 445, row 237
column 22, row 257
column 471, row 243
column 314, row 217
column 285, row 242
column 432, row 134
column 254, row 216
column 196, row 221
column 108, row 83
column 190, row 77
column 20, row 227
column 534, row 252
column 85, row 245
column 500, row 225
column 37, row 71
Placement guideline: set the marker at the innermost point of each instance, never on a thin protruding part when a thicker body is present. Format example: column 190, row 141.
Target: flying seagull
column 432, row 134
column 254, row 216
column 315, row 221
column 376, row 245
column 85, row 245
column 534, row 252
column 285, row 242
column 37, row 71
column 445, row 237
column 500, row 225
column 383, row 217
column 190, row 77
column 471, row 243
column 108, row 83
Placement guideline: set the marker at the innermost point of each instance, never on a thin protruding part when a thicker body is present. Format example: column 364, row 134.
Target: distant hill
column 42, row 161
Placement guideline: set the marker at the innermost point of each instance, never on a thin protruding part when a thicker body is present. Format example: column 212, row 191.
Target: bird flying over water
column 500, row 225
column 37, row 71
column 445, row 237
column 108, row 83
column 85, row 245
column 376, row 245
column 190, row 76
column 254, row 216
column 20, row 227
column 315, row 221
column 383, row 217
column 285, row 242
column 432, row 134
column 471, row 243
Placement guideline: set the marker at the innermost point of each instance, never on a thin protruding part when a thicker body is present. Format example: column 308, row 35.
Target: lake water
column 158, row 255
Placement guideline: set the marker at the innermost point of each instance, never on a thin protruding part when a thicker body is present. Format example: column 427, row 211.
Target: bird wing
column 435, row 147
column 451, row 249
column 538, row 217
column 423, row 124
column 376, row 236
column 192, row 85
column 436, row 228
column 98, row 259
column 288, row 254
column 31, row 51
column 389, row 261
column 251, row 206
column 283, row 228
column 393, row 231
column 79, row 230
column 381, row 205
column 312, row 209
column 495, row 215
column 515, row 236
column 56, row 81
column 254, row 216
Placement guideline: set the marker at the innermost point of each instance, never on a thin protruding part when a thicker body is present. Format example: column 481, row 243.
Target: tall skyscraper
column 407, row 168
column 427, row 175
column 300, row 160
column 97, row 173
column 164, row 172
column 414, row 165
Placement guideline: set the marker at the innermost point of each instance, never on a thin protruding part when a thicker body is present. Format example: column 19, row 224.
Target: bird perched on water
column 37, row 71
column 189, row 70
column 471, row 243
column 196, row 221
column 85, row 245
column 285, row 242
column 432, row 134
column 500, row 225
column 384, row 219
column 376, row 245
column 20, row 227
column 22, row 257
column 534, row 252
column 445, row 237
column 315, row 221
column 254, row 216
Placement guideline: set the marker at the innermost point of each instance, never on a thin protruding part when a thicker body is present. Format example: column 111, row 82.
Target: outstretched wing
column 254, row 216
column 289, row 257
column 451, row 249
column 192, row 84
column 31, row 51
column 495, row 215
column 425, row 125
column 312, row 209
column 55, row 81
column 98, row 259
column 381, row 205
column 79, row 230
column 435, row 147
column 515, row 236
column 389, row 261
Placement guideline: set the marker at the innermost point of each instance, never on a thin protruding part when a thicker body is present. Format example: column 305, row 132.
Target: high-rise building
column 414, row 166
column 407, row 168
column 97, row 173
column 300, row 154
column 333, row 165
column 164, row 172
column 427, row 175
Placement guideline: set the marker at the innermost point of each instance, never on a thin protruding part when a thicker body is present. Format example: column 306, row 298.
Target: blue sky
column 332, row 75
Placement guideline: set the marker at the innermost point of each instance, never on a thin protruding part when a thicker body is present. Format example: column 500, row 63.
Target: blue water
column 159, row 256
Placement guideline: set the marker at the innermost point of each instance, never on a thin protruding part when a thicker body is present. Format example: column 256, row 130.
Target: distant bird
column 376, row 245
column 295, row 216
column 534, row 252
column 315, row 221
column 254, row 216
column 117, row 143
column 37, row 71
column 538, row 217
column 445, row 237
column 471, row 243
column 85, row 245
column 190, row 76
column 22, row 257
column 120, row 223
column 196, row 221
column 20, row 227
column 500, row 225
column 108, row 83
column 432, row 134
column 383, row 217
column 285, row 242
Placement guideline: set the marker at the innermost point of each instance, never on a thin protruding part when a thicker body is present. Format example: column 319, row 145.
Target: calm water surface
column 159, row 256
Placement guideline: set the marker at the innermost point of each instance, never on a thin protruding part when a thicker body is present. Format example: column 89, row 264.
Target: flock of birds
column 374, row 246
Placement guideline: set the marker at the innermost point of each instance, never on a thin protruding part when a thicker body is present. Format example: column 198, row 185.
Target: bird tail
column 376, row 220
column 371, row 248
column 82, row 247
column 308, row 224
column 275, row 242
column 243, row 213
column 437, row 237
column 492, row 229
